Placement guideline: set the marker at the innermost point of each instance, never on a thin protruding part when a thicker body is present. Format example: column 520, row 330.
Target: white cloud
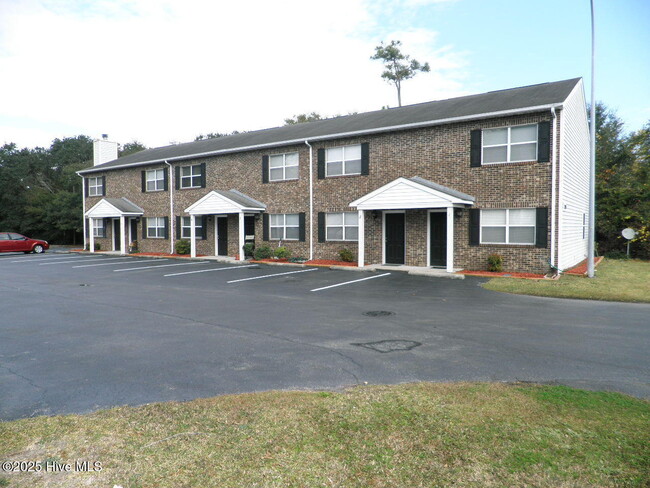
column 163, row 70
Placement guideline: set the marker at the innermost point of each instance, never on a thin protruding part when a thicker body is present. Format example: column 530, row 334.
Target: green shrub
column 183, row 247
column 262, row 252
column 495, row 262
column 616, row 255
column 298, row 259
column 346, row 255
column 282, row 253
column 98, row 246
column 249, row 247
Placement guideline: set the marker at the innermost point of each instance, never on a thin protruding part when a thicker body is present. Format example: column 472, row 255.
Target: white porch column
column 122, row 234
column 362, row 239
column 450, row 239
column 241, row 236
column 91, row 234
column 192, row 235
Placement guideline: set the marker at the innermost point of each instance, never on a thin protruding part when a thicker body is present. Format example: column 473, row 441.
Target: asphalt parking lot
column 80, row 332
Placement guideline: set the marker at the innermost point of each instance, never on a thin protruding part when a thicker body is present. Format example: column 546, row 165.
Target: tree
column 215, row 135
column 302, row 118
column 130, row 148
column 398, row 66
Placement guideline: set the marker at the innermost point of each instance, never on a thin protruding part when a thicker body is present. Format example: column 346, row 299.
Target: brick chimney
column 104, row 150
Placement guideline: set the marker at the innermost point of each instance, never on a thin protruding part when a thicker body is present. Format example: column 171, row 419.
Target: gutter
column 172, row 220
column 553, row 187
column 83, row 199
column 311, row 201
column 415, row 125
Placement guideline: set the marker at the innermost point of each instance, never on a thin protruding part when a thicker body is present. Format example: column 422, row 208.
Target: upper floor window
column 345, row 160
column 508, row 226
column 342, row 226
column 192, row 176
column 155, row 179
column 95, row 186
column 285, row 226
column 510, row 144
column 283, row 167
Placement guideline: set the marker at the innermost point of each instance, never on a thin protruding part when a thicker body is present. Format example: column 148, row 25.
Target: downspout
column 83, row 199
column 172, row 220
column 553, row 188
column 311, row 201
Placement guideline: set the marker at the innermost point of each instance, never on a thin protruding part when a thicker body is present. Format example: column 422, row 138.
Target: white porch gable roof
column 114, row 207
column 224, row 202
column 406, row 193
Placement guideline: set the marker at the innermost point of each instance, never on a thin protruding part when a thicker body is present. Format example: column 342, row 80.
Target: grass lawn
column 616, row 280
column 469, row 435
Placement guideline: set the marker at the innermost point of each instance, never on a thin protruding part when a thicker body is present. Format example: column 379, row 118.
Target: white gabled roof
column 114, row 207
column 407, row 193
column 224, row 202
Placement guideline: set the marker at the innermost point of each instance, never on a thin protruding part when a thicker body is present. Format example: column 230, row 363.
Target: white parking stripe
column 42, row 258
column 80, row 261
column 271, row 275
column 130, row 261
column 208, row 270
column 160, row 266
column 348, row 282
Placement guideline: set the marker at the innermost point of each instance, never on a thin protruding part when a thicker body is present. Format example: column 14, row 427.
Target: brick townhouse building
column 443, row 183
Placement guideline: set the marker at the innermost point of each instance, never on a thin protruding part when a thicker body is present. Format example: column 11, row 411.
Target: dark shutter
column 178, row 227
column 143, row 176
column 202, row 175
column 541, row 227
column 86, row 187
column 166, row 227
column 107, row 222
column 321, row 164
column 166, row 179
column 204, row 227
column 475, row 148
column 301, row 226
column 103, row 186
column 144, row 227
column 365, row 158
column 474, row 226
column 177, row 177
column 321, row 226
column 544, row 142
column 265, row 227
column 265, row 169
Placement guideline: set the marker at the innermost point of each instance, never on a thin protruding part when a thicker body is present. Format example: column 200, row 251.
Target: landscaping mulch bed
column 330, row 262
column 504, row 274
column 165, row 255
column 581, row 269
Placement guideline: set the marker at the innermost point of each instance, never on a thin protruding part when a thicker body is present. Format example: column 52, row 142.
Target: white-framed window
column 155, row 179
column 508, row 226
column 283, row 166
column 510, row 144
column 343, row 226
column 98, row 228
column 156, row 227
column 95, row 186
column 191, row 176
column 284, row 227
column 186, row 227
column 344, row 160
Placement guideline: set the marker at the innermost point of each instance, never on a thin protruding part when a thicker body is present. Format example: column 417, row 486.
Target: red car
column 12, row 242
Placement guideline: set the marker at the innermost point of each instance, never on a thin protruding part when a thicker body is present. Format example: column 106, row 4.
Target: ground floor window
column 285, row 226
column 156, row 227
column 186, row 227
column 99, row 230
column 508, row 226
column 343, row 226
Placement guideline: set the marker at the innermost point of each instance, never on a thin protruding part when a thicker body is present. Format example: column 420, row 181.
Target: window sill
column 343, row 176
column 511, row 163
column 190, row 187
column 284, row 181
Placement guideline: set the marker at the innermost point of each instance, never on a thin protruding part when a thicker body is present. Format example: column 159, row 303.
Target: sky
column 164, row 71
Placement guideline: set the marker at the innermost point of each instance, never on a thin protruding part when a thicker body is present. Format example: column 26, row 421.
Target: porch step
column 418, row 271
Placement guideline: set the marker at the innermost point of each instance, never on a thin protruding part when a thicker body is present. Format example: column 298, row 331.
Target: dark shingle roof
column 240, row 198
column 124, row 205
column 429, row 113
column 443, row 189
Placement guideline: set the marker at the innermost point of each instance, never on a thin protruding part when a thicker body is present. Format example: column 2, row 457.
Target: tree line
column 41, row 194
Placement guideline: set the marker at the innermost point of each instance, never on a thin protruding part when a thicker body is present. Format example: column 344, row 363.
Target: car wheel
column 38, row 249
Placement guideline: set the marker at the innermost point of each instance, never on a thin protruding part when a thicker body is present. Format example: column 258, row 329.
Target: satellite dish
column 628, row 233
